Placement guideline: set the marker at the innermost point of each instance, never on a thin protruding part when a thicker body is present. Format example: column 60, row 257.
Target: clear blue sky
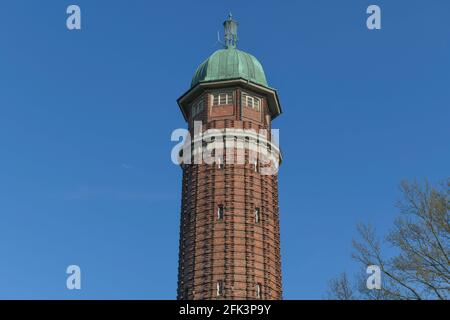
column 86, row 118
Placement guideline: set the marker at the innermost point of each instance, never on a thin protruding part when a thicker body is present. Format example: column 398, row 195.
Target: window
column 251, row 101
column 258, row 291
column 220, row 212
column 222, row 98
column 257, row 215
column 247, row 143
column 197, row 107
column 219, row 288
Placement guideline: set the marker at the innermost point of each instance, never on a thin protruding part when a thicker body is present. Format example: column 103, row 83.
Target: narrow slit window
column 219, row 288
column 258, row 291
column 257, row 217
column 220, row 212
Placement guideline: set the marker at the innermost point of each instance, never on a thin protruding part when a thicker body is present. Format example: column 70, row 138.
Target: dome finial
column 231, row 37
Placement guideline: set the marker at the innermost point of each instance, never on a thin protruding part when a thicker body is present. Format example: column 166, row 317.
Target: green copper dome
column 230, row 63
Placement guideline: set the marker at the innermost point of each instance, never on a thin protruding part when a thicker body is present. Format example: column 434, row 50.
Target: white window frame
column 257, row 215
column 251, row 101
column 222, row 98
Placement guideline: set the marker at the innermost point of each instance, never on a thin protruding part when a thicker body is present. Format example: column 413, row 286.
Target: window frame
column 218, row 96
column 197, row 107
column 246, row 97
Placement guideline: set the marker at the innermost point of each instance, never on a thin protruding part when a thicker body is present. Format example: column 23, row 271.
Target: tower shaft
column 229, row 225
column 229, row 237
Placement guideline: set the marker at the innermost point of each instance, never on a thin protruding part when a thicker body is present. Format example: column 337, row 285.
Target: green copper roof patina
column 230, row 63
column 233, row 67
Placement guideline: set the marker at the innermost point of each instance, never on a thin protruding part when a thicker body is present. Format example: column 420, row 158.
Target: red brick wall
column 235, row 250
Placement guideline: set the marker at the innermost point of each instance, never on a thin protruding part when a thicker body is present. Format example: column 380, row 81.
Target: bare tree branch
column 420, row 268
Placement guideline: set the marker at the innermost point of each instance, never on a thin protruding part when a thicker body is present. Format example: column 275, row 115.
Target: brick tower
column 230, row 235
